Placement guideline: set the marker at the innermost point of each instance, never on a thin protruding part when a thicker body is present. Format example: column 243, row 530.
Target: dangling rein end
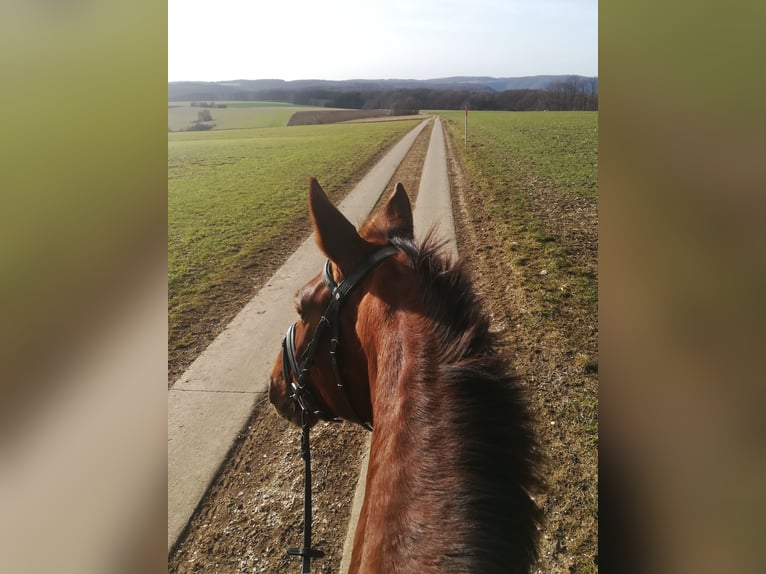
column 306, row 552
column 302, row 551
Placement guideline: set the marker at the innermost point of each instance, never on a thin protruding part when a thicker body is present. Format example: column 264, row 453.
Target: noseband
column 296, row 379
column 296, row 373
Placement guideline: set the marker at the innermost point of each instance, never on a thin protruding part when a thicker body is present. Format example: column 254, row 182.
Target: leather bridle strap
column 295, row 373
column 340, row 290
column 296, row 376
column 338, row 294
column 306, row 552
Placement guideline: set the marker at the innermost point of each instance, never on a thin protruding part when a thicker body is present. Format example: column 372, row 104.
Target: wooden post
column 466, row 126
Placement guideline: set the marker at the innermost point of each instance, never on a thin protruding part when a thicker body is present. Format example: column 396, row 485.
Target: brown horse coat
column 452, row 456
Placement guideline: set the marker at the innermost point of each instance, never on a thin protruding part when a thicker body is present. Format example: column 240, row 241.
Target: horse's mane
column 471, row 423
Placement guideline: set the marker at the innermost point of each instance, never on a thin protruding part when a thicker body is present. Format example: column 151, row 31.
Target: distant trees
column 406, row 107
column 353, row 100
column 574, row 93
column 568, row 96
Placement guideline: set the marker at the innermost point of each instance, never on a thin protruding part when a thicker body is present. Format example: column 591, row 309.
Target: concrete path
column 212, row 401
column 434, row 201
column 433, row 207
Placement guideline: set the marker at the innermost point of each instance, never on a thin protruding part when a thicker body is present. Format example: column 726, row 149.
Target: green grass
column 237, row 115
column 241, row 104
column 513, row 158
column 530, row 181
column 560, row 148
column 232, row 193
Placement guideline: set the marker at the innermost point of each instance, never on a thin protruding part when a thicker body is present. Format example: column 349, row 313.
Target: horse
column 453, row 459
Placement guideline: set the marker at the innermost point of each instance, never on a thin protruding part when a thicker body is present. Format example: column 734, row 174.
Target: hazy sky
column 372, row 39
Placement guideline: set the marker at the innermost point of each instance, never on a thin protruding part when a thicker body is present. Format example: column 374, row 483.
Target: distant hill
column 251, row 89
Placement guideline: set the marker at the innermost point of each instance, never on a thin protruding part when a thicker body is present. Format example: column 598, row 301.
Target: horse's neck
column 445, row 490
column 401, row 510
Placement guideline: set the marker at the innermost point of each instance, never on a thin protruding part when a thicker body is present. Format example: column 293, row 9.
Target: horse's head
column 323, row 368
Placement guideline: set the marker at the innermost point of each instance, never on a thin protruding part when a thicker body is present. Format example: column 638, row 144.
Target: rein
column 296, row 377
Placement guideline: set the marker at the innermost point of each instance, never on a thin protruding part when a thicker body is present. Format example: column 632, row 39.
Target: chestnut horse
column 452, row 457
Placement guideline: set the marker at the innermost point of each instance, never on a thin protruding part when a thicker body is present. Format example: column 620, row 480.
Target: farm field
column 525, row 199
column 237, row 197
column 236, row 115
column 536, row 176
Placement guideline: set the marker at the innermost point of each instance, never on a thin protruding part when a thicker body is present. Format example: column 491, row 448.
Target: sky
column 375, row 39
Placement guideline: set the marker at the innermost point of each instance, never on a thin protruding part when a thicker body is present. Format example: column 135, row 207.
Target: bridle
column 296, row 375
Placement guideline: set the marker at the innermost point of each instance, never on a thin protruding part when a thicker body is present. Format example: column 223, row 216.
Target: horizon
column 401, row 79
column 353, row 40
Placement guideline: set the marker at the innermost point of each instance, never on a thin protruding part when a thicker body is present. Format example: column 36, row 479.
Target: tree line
column 568, row 95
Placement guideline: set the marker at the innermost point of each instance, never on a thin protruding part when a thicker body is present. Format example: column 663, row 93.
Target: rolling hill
column 253, row 89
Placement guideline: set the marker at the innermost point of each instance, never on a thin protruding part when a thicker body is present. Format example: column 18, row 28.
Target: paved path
column 433, row 207
column 434, row 201
column 212, row 401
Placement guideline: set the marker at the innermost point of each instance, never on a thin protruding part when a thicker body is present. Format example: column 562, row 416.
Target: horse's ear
column 398, row 214
column 336, row 236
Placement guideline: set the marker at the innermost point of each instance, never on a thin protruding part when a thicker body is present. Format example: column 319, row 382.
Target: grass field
column 560, row 147
column 237, row 115
column 234, row 195
column 529, row 183
column 519, row 159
